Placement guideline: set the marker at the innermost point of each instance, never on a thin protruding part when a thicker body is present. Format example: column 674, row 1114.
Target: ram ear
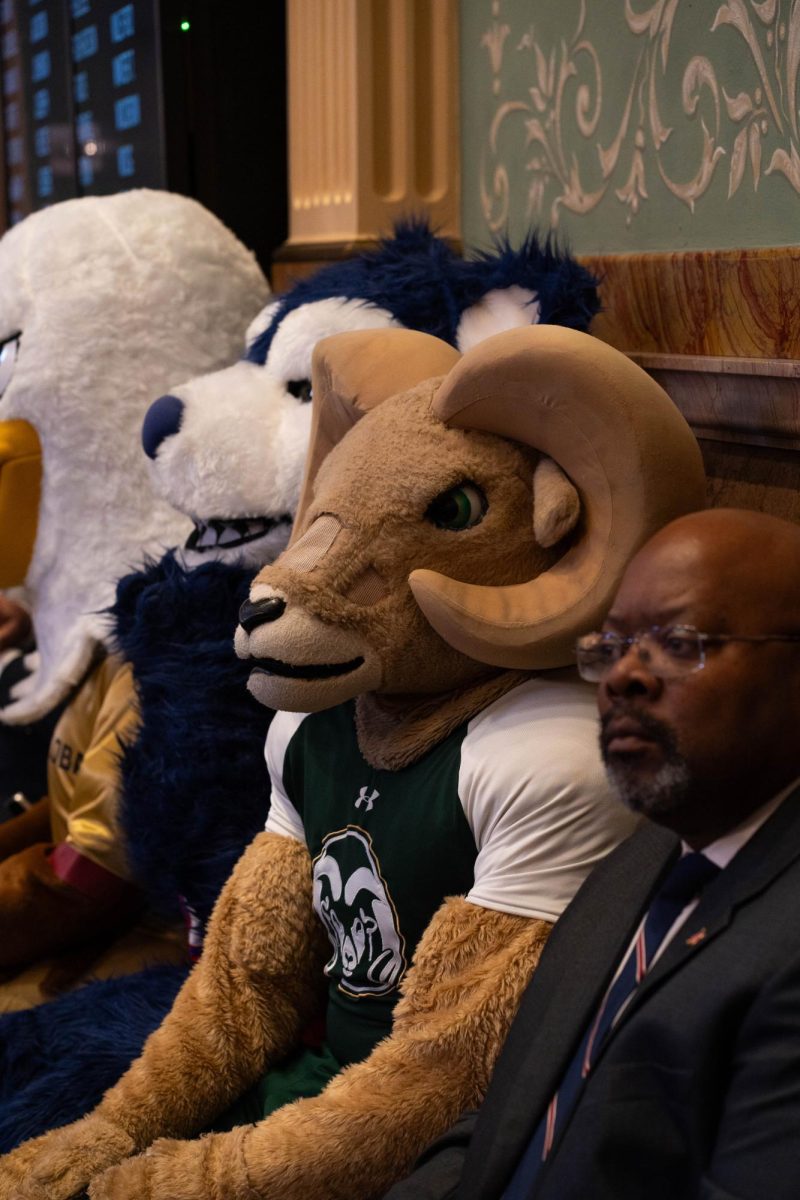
column 556, row 504
column 354, row 372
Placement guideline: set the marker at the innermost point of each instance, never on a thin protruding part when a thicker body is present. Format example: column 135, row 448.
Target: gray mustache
column 649, row 725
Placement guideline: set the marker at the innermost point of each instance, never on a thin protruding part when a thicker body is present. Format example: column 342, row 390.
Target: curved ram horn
column 621, row 441
column 354, row 372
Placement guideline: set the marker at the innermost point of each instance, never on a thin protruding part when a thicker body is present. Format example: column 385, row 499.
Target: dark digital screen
column 99, row 96
column 116, row 93
column 44, row 43
column 81, row 99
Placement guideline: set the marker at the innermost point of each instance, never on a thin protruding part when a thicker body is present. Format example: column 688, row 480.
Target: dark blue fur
column 56, row 1061
column 195, row 784
column 425, row 285
column 566, row 291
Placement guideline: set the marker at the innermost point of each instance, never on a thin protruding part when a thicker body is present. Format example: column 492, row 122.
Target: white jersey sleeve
column 534, row 791
column 283, row 817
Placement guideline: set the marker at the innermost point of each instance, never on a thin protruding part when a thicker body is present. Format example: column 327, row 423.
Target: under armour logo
column 367, row 801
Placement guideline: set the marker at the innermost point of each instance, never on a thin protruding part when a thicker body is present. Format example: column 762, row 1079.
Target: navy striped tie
column 682, row 884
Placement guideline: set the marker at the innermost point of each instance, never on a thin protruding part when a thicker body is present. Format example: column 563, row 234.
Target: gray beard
column 664, row 793
column 668, row 789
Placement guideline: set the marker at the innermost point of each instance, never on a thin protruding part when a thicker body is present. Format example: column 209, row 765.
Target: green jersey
column 510, row 810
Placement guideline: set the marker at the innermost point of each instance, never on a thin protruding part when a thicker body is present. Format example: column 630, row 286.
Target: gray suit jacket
column 697, row 1092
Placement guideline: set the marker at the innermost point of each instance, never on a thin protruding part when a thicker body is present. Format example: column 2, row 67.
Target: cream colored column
column 373, row 117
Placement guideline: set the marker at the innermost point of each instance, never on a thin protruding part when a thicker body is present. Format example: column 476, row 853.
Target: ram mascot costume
column 104, row 301
column 437, row 794
column 227, row 449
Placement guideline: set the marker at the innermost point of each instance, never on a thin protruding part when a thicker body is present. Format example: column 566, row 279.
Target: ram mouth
column 219, row 533
column 274, row 666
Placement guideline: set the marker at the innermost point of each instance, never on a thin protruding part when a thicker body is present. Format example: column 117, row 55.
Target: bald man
column 656, row 1054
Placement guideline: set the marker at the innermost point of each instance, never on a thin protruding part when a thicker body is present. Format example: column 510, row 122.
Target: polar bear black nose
column 162, row 419
column 251, row 614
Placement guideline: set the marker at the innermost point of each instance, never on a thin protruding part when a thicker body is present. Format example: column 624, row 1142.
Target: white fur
column 118, row 298
column 290, row 353
column 260, row 322
column 498, row 310
column 241, row 445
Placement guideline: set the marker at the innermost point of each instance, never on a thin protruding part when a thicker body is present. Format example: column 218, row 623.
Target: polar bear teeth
column 208, row 535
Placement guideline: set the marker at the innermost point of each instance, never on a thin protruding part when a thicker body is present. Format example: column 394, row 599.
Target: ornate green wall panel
column 632, row 125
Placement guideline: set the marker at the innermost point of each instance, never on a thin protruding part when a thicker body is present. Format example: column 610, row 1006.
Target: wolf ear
column 497, row 311
column 556, row 505
column 260, row 323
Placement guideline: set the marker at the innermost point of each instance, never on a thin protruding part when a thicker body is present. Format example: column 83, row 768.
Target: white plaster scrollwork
column 554, row 126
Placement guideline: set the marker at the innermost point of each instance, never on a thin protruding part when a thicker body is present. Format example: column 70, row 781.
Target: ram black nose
column 259, row 612
column 162, row 420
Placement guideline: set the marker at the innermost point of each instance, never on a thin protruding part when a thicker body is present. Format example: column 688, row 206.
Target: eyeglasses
column 668, row 652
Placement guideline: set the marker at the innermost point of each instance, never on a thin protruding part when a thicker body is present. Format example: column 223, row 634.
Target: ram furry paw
column 177, row 1169
column 60, row 1164
column 15, row 1168
column 129, row 1179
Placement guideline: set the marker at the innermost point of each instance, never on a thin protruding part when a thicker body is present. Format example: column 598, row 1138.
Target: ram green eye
column 458, row 508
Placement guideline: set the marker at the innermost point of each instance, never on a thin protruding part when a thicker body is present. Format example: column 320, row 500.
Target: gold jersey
column 83, row 769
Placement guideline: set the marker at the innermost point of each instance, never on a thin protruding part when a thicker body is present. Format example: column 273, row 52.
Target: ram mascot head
column 460, row 515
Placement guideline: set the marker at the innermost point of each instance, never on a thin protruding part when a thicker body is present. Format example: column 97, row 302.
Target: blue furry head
column 423, row 284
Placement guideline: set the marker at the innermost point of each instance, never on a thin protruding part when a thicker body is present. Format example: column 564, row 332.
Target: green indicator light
column 185, row 26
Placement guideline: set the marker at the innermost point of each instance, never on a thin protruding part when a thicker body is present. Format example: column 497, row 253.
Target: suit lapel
column 571, row 980
column 771, row 850
column 567, row 988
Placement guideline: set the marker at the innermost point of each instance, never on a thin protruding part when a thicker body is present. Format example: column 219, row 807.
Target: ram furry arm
column 367, row 1127
column 242, row 1007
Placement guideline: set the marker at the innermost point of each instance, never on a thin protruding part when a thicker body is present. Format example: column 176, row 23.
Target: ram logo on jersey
column 352, row 901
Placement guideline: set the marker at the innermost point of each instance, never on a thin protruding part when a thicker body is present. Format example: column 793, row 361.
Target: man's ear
column 556, row 504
